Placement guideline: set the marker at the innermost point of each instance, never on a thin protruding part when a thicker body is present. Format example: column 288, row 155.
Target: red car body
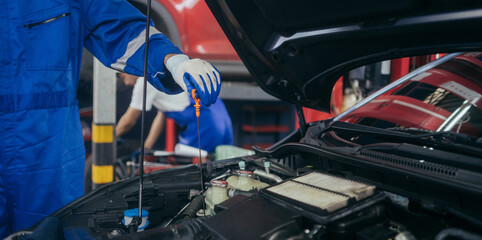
column 199, row 32
column 191, row 26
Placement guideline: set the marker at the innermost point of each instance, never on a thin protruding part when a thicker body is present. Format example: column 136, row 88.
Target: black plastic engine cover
column 253, row 219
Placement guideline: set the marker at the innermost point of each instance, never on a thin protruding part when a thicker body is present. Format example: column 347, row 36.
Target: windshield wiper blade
column 436, row 139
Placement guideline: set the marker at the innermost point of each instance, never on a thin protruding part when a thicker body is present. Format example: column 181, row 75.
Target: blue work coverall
column 41, row 143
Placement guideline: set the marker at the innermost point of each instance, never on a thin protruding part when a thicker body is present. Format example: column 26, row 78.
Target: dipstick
column 197, row 105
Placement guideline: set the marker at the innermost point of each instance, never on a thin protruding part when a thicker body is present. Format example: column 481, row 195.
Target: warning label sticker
column 461, row 90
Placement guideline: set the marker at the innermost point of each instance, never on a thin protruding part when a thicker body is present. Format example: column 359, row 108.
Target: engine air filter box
column 323, row 197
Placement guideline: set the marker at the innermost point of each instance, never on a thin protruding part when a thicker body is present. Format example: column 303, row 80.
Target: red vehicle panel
column 395, row 108
column 200, row 34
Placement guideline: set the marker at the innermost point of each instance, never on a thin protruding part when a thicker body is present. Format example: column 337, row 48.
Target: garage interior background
column 258, row 118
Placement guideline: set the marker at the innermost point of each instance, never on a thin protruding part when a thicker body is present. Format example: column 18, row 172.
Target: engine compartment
column 282, row 196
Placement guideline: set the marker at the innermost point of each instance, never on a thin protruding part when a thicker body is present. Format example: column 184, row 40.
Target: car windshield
column 447, row 97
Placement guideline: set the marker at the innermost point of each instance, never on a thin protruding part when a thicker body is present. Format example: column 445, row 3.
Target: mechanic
column 41, row 144
column 216, row 123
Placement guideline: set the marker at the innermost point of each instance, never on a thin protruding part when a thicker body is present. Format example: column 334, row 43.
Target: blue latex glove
column 198, row 74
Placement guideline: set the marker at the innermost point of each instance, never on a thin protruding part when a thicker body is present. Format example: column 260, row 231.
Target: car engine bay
column 295, row 191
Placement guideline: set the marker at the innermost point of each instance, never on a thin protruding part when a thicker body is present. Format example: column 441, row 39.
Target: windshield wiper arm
column 458, row 142
column 343, row 126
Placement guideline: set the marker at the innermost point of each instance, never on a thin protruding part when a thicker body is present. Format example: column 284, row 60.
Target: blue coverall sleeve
column 114, row 31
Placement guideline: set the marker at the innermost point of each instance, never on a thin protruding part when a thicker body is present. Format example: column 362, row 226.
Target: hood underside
column 296, row 50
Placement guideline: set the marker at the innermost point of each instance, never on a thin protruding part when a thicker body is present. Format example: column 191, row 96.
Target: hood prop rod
column 301, row 118
column 141, row 160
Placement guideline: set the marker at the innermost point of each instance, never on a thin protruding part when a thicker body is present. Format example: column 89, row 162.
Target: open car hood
column 297, row 50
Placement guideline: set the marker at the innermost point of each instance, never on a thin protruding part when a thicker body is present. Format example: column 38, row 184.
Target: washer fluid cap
column 244, row 173
column 135, row 212
column 131, row 213
column 219, row 183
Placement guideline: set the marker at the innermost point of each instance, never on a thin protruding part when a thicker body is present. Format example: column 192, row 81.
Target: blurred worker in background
column 215, row 127
column 41, row 144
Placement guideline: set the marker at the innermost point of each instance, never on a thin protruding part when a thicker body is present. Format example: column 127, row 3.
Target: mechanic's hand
column 198, row 74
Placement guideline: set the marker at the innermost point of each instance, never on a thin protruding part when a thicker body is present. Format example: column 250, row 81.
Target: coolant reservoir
column 243, row 180
column 216, row 194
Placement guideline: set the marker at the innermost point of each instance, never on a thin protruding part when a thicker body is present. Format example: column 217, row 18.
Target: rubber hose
column 191, row 210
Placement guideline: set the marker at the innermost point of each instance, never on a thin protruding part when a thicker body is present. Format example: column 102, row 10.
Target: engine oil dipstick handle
column 197, row 105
